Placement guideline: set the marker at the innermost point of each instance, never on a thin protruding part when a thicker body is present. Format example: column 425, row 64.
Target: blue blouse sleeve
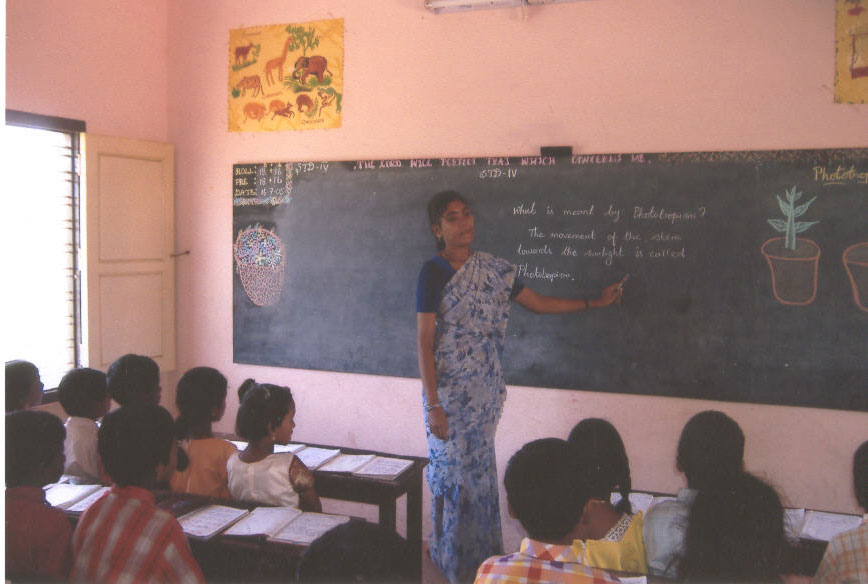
column 517, row 286
column 432, row 279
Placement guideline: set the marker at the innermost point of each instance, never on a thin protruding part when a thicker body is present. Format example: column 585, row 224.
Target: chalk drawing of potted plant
column 856, row 265
column 793, row 261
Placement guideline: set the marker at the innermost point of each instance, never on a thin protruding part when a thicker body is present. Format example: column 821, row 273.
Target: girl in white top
column 266, row 416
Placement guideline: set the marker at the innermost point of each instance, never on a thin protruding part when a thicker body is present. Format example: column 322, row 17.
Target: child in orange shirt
column 201, row 400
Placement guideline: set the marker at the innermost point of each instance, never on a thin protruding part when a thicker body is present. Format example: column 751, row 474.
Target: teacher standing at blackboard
column 462, row 304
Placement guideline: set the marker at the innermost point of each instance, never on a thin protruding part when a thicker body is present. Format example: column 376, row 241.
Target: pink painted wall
column 100, row 61
column 604, row 76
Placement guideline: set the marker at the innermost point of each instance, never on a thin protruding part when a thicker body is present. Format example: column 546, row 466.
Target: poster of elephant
column 286, row 76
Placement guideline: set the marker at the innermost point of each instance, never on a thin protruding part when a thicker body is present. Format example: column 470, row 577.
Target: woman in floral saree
column 462, row 303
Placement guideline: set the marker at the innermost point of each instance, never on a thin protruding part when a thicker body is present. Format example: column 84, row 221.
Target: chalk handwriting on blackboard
column 701, row 315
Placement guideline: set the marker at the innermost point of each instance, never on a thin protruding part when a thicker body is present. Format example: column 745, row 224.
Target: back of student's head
column 83, row 392
column 20, row 378
column 711, row 448
column 600, row 449
column 735, row 533
column 357, row 552
column 262, row 407
column 201, row 393
column 545, row 488
column 133, row 441
column 134, row 380
column 34, row 442
column 860, row 475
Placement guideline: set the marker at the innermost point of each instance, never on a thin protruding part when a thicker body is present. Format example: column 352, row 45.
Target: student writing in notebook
column 38, row 536
column 846, row 558
column 710, row 451
column 201, row 400
column 735, row 533
column 266, row 416
column 611, row 537
column 546, row 491
column 84, row 397
column 124, row 536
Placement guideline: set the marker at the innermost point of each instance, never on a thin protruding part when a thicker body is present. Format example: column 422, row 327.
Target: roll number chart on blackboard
column 748, row 270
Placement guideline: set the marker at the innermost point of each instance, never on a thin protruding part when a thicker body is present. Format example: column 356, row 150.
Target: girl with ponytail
column 201, row 400
column 611, row 535
column 266, row 416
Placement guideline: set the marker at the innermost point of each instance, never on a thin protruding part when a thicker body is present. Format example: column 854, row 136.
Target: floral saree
column 462, row 473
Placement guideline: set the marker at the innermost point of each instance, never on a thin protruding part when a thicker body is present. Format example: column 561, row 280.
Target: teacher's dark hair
column 437, row 206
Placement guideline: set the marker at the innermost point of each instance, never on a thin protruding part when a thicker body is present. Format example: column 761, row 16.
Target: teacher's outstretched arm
column 435, row 415
column 542, row 304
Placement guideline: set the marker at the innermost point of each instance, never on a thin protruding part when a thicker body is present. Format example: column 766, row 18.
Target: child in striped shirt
column 124, row 536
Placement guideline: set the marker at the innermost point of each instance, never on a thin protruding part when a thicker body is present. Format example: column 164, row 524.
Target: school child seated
column 201, row 399
column 134, row 380
column 266, row 416
column 83, row 395
column 124, row 536
column 735, row 533
column 846, row 558
column 710, row 450
column 611, row 536
column 23, row 386
column 357, row 551
column 547, row 492
column 38, row 536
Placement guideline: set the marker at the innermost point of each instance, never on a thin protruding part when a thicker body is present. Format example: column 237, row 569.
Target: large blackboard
column 703, row 315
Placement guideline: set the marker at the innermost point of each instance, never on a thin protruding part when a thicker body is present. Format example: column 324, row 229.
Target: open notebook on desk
column 285, row 525
column 65, row 495
column 208, row 521
column 312, row 456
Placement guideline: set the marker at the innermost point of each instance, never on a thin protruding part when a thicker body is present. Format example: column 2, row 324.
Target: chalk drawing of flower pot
column 794, row 272
column 793, row 261
column 260, row 261
column 856, row 265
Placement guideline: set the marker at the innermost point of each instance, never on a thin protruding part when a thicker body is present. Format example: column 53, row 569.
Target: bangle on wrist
column 430, row 407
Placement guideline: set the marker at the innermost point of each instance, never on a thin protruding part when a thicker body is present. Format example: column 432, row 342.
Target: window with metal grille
column 42, row 312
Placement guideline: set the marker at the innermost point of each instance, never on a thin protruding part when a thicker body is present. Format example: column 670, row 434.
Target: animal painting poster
column 851, row 51
column 286, row 76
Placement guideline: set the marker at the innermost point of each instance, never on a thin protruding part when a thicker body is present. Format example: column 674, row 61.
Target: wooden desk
column 380, row 492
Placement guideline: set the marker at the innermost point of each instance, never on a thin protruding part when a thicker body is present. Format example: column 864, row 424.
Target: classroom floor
column 430, row 573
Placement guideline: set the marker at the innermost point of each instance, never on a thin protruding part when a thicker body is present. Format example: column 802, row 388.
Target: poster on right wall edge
column 851, row 51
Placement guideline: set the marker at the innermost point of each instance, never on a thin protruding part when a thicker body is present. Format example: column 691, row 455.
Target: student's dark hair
column 133, row 440
column 81, row 390
column 33, row 439
column 356, row 552
column 735, row 533
column 133, row 380
column 262, row 406
column 600, row 449
column 860, row 475
column 546, row 488
column 200, row 390
column 19, row 378
column 437, row 206
column 711, row 448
